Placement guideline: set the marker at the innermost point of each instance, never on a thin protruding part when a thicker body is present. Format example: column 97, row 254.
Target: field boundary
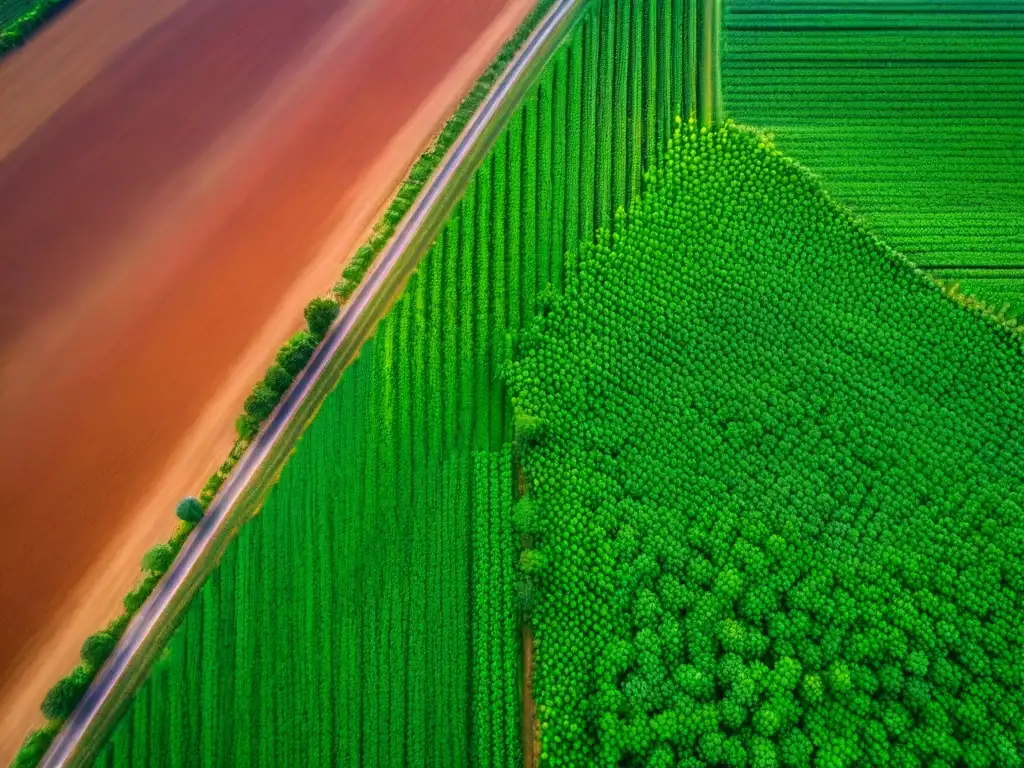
column 83, row 732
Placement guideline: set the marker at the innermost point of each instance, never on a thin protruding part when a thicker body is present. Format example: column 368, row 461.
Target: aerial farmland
column 666, row 411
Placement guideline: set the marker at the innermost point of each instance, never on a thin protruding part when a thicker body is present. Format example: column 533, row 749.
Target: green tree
column 97, row 648
column 34, row 747
column 320, row 313
column 61, row 700
column 296, row 352
column 527, row 428
column 158, row 559
column 526, row 517
column 246, row 426
column 190, row 510
column 261, row 402
column 532, row 561
column 277, row 379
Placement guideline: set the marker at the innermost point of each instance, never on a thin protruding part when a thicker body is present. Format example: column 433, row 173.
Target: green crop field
column 368, row 615
column 911, row 112
column 773, row 474
column 780, row 483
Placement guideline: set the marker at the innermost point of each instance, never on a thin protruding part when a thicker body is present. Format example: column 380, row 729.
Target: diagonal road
column 177, row 179
column 256, row 472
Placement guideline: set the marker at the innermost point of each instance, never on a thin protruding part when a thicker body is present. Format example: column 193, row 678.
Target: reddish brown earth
column 177, row 178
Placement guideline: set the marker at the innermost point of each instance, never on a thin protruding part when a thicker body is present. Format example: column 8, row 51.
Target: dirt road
column 177, row 178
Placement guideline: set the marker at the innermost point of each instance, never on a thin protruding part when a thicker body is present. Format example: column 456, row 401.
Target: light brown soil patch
column 164, row 221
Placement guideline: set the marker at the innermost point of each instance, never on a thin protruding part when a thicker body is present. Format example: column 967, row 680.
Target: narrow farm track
column 910, row 112
column 165, row 218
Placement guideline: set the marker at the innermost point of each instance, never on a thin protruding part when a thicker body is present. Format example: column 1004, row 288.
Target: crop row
column 910, row 112
column 495, row 648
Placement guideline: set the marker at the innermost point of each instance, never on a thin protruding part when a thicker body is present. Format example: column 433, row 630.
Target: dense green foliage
column 35, row 746
column 319, row 313
column 189, row 510
column 20, row 18
column 97, row 648
column 780, row 489
column 63, row 697
column 12, row 9
column 366, row 615
column 910, row 111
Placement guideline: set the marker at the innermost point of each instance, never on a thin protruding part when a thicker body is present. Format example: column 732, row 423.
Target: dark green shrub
column 97, row 648
column 35, row 746
column 343, row 289
column 525, row 594
column 246, row 427
column 532, row 561
column 20, row 29
column 277, row 380
column 215, row 482
column 527, row 428
column 180, row 536
column 117, row 627
column 158, row 559
column 134, row 599
column 352, row 274
column 363, row 257
column 190, row 510
column 294, row 355
column 526, row 517
column 261, row 402
column 61, row 700
column 320, row 313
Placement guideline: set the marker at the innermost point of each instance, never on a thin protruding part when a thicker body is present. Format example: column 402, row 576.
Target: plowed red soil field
column 177, row 178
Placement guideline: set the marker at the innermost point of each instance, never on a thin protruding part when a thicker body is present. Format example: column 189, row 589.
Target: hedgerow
column 779, row 489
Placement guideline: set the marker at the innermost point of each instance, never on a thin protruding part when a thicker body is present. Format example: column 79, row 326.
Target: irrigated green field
column 910, row 111
column 367, row 615
column 780, row 483
column 12, row 9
